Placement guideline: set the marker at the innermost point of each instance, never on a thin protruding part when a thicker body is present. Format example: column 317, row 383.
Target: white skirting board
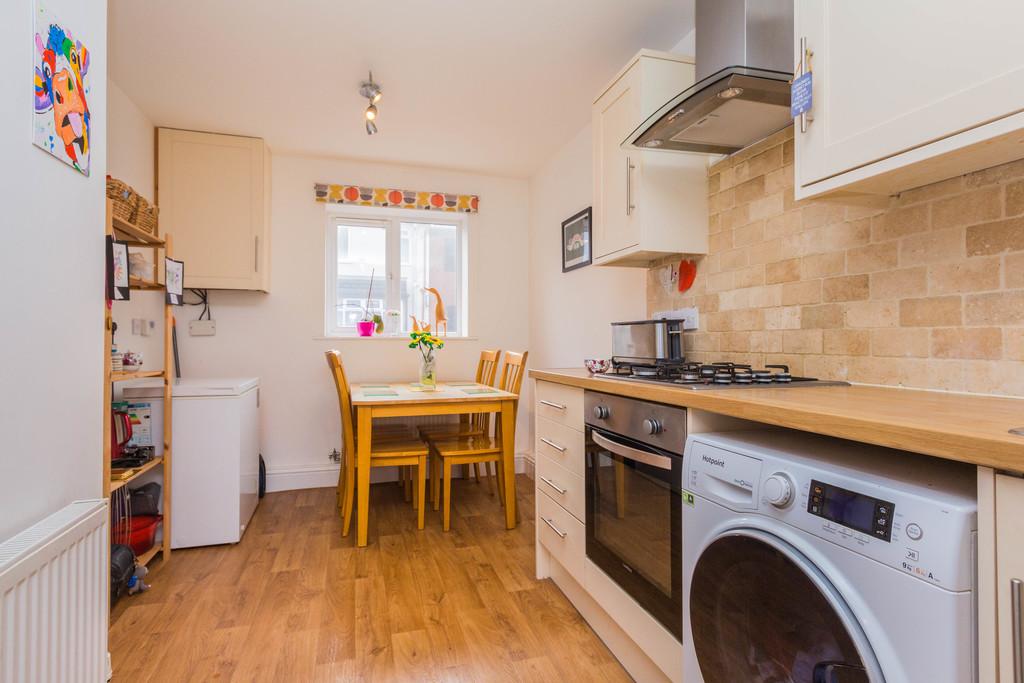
column 322, row 476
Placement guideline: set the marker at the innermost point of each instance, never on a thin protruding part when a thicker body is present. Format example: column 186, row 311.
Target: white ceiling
column 484, row 85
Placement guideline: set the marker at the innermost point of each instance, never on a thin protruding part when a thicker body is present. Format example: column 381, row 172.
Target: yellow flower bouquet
column 427, row 344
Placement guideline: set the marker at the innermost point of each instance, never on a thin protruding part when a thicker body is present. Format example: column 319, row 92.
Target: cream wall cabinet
column 646, row 203
column 906, row 94
column 214, row 196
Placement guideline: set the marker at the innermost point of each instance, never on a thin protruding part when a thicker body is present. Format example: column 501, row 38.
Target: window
column 405, row 256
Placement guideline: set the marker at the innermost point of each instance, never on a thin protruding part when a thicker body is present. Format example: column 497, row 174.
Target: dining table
column 375, row 400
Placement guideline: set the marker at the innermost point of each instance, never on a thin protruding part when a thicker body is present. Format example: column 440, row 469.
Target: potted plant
column 366, row 326
column 427, row 344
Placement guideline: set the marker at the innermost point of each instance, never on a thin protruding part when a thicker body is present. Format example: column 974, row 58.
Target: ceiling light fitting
column 372, row 92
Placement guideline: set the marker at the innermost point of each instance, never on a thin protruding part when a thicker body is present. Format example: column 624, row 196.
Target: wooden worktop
column 962, row 427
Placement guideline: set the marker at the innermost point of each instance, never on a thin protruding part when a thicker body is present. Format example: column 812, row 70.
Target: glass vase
column 428, row 374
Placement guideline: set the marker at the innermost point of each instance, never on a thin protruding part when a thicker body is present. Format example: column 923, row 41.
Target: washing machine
column 815, row 560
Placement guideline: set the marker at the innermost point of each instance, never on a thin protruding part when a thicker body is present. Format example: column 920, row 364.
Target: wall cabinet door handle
column 553, row 485
column 559, row 406
column 554, row 528
column 629, row 187
column 560, row 449
column 256, row 254
column 1016, row 609
column 805, row 66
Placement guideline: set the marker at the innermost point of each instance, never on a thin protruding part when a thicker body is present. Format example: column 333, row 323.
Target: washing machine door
column 761, row 612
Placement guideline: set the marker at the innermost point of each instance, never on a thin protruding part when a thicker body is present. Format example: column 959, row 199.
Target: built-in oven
column 634, row 478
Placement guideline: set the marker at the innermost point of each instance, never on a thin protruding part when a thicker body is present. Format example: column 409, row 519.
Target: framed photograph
column 576, row 241
column 175, row 273
column 118, row 288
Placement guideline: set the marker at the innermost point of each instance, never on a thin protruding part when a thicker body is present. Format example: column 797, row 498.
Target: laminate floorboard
column 294, row 601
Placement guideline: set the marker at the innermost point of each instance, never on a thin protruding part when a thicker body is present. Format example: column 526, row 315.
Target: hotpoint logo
column 713, row 461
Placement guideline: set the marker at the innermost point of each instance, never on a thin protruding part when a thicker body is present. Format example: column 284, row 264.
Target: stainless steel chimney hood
column 744, row 65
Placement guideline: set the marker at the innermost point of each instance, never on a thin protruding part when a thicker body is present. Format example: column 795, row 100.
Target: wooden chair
column 472, row 424
column 479, row 448
column 387, row 450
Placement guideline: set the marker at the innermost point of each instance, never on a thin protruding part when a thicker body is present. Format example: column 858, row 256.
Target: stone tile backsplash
column 925, row 289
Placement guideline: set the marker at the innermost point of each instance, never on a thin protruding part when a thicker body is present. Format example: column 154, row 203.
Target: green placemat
column 480, row 390
column 461, row 384
column 380, row 392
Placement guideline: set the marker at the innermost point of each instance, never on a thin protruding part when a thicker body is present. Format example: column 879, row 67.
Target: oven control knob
column 778, row 490
column 652, row 426
column 601, row 412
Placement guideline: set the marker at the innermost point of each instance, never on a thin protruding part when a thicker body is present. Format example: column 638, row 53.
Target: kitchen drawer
column 561, row 404
column 562, row 534
column 562, row 486
column 561, row 444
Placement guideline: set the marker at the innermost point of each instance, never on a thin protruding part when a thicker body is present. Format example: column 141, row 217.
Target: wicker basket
column 146, row 216
column 125, row 199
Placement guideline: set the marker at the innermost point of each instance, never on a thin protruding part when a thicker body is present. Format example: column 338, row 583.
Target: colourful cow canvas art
column 61, row 122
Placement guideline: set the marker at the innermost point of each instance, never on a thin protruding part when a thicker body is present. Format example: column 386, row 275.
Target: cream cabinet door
column 1009, row 494
column 616, row 114
column 893, row 76
column 214, row 194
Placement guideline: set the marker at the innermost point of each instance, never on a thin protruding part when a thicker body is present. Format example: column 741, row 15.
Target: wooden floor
column 294, row 601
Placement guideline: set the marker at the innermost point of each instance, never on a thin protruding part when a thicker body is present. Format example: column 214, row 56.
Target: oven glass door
column 761, row 613
column 634, row 520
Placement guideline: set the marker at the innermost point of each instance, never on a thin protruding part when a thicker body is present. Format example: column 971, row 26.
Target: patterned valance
column 403, row 199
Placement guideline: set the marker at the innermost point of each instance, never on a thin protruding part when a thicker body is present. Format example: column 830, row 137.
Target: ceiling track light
column 372, row 92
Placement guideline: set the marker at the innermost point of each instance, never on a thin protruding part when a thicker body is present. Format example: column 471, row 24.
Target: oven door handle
column 653, row 459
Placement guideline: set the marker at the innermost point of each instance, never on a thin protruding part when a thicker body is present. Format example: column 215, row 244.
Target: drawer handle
column 553, row 405
column 1018, row 660
column 560, row 449
column 553, row 485
column 554, row 528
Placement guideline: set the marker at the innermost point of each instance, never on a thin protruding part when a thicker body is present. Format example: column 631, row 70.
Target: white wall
column 131, row 158
column 279, row 336
column 51, row 279
column 570, row 312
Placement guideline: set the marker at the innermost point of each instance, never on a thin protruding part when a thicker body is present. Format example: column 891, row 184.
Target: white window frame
column 391, row 220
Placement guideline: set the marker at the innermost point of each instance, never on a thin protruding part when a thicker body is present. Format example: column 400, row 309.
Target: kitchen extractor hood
column 744, row 65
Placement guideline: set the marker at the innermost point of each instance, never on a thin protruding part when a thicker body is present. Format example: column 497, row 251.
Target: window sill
column 404, row 338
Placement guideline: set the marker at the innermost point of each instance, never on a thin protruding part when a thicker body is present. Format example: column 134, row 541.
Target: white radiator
column 54, row 598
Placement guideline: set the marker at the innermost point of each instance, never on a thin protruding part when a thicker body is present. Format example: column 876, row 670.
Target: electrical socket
column 137, row 326
column 689, row 316
column 202, row 328
column 334, row 455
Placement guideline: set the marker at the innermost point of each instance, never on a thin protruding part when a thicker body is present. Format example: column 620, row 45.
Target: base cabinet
column 1009, row 565
column 647, row 650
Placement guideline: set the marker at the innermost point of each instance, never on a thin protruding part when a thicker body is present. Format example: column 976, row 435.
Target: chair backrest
column 486, row 371
column 512, row 373
column 487, row 367
column 344, row 401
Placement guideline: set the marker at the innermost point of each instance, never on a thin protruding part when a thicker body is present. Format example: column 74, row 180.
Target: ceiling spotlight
column 372, row 92
column 654, row 143
column 730, row 93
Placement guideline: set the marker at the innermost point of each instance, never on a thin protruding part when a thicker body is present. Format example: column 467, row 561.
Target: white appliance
column 816, row 560
column 214, row 456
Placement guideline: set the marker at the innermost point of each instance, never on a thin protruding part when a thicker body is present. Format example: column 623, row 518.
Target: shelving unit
column 136, row 237
column 117, row 482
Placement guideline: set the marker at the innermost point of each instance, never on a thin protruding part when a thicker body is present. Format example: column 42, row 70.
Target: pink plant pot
column 365, row 328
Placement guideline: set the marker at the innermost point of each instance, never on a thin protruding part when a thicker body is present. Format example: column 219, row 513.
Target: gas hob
column 714, row 376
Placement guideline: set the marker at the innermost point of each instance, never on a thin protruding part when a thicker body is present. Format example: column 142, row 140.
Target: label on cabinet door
column 800, row 95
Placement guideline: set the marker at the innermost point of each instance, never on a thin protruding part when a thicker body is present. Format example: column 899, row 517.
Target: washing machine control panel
column 916, row 516
column 858, row 511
